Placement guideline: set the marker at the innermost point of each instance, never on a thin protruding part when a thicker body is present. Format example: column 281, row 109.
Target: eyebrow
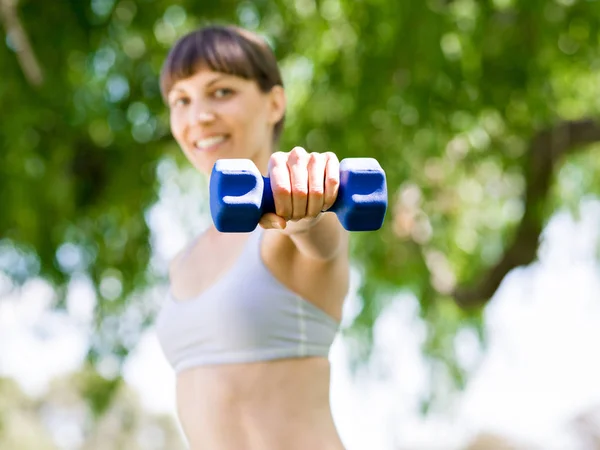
column 216, row 79
column 209, row 84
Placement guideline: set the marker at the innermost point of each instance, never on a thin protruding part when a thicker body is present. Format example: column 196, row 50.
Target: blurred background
column 473, row 321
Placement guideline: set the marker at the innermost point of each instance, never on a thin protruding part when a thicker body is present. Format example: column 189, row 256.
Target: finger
column 316, row 182
column 281, row 185
column 272, row 221
column 298, row 167
column 332, row 180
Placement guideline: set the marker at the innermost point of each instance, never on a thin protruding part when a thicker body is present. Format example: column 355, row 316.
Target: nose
column 201, row 113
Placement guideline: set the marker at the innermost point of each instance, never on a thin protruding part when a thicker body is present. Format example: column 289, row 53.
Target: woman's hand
column 303, row 184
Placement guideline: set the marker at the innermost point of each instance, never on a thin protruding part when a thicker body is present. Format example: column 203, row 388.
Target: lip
column 212, row 147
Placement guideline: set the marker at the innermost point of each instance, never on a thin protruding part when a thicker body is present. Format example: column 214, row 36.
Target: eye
column 222, row 93
column 179, row 101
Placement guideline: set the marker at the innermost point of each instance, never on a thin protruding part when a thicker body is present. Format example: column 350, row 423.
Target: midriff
column 272, row 405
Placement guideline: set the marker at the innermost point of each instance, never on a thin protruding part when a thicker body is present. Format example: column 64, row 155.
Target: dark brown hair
column 226, row 49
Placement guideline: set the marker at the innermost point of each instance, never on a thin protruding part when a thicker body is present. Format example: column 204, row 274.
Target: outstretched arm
column 304, row 185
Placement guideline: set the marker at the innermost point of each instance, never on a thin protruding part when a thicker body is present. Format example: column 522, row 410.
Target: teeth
column 209, row 142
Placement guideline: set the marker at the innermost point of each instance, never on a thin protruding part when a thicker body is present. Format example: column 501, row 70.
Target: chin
column 205, row 166
column 202, row 165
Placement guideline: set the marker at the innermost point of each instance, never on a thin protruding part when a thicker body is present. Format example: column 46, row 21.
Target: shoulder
column 175, row 262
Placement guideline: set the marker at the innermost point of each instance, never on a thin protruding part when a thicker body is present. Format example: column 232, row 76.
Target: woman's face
column 215, row 116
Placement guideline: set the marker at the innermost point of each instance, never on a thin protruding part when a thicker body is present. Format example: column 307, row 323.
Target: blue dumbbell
column 240, row 195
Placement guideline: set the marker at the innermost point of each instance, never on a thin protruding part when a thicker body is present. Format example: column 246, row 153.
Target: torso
column 260, row 405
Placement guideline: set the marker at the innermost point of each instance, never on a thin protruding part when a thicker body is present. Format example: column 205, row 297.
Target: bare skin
column 276, row 404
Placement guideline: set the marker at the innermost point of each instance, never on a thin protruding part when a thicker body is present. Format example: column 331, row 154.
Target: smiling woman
column 227, row 72
column 250, row 317
column 201, row 98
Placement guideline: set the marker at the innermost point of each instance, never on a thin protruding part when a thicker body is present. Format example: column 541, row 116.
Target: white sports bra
column 246, row 316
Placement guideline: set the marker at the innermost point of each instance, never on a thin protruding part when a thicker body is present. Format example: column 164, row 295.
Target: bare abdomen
column 258, row 406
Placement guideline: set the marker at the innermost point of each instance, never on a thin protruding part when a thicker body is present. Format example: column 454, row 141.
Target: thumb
column 272, row 221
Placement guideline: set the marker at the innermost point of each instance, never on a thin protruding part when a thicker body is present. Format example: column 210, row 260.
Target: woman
column 250, row 317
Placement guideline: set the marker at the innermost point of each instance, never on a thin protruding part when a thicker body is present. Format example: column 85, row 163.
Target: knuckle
column 314, row 157
column 280, row 189
column 331, row 156
column 316, row 190
column 297, row 155
column 300, row 190
column 316, row 160
column 333, row 180
column 277, row 157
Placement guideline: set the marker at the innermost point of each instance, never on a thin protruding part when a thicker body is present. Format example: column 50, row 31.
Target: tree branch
column 545, row 152
column 16, row 33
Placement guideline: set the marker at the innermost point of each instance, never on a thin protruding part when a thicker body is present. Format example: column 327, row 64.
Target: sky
column 540, row 369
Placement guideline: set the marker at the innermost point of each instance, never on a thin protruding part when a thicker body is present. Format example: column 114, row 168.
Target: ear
column 277, row 104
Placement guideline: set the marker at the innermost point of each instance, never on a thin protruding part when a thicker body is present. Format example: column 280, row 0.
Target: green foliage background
column 483, row 114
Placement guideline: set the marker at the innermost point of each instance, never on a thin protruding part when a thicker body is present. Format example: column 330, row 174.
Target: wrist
column 302, row 226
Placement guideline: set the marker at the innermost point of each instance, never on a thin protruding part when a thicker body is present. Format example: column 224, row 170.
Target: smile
column 209, row 143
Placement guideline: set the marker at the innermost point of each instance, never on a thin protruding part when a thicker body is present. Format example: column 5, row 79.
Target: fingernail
column 276, row 225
